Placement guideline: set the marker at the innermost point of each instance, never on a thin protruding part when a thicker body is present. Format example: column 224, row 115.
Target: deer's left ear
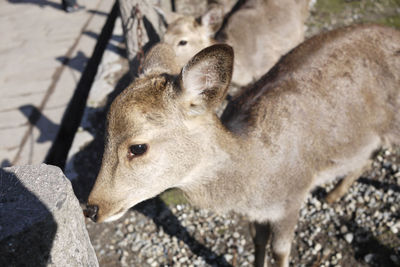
column 205, row 78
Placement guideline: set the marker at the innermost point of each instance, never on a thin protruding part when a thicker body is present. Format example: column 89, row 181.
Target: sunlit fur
column 318, row 114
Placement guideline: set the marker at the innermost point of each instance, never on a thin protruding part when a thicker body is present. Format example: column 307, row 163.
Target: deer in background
column 319, row 114
column 260, row 32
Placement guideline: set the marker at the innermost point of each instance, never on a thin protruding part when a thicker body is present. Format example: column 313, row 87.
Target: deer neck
column 219, row 175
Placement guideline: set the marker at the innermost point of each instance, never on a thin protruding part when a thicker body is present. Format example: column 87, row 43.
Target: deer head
column 157, row 129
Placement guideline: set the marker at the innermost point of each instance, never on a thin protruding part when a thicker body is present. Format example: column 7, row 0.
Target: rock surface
column 41, row 222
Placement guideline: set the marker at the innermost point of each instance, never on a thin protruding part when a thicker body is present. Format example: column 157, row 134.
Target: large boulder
column 41, row 222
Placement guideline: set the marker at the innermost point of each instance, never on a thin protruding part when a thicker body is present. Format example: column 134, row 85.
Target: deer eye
column 137, row 150
column 182, row 42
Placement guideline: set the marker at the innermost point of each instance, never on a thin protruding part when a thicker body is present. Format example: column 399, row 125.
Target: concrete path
column 43, row 51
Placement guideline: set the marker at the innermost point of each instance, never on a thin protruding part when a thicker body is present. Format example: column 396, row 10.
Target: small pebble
column 236, row 235
column 395, row 259
column 349, row 237
column 368, row 258
column 228, row 257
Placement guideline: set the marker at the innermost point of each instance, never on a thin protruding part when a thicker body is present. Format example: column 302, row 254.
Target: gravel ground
column 363, row 229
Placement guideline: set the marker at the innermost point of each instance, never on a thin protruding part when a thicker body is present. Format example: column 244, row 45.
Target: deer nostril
column 91, row 212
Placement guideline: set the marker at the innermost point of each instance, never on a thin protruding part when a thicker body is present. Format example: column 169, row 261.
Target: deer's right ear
column 213, row 19
column 160, row 59
column 206, row 77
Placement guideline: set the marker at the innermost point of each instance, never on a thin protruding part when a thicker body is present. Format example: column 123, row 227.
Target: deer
column 260, row 32
column 318, row 115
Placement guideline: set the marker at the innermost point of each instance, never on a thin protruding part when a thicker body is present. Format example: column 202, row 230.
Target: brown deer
column 260, row 32
column 319, row 114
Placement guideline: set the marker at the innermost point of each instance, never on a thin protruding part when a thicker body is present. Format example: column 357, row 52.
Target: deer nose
column 91, row 212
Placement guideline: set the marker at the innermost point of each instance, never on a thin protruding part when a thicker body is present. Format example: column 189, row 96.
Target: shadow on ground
column 40, row 3
column 111, row 47
column 78, row 62
column 26, row 239
column 46, row 127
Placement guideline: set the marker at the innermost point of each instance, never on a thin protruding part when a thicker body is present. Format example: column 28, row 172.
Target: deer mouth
column 99, row 214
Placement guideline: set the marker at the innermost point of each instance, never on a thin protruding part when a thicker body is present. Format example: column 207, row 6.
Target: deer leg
column 343, row 186
column 282, row 237
column 260, row 234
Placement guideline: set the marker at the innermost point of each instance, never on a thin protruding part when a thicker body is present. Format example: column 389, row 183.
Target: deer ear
column 167, row 16
column 160, row 59
column 206, row 77
column 213, row 19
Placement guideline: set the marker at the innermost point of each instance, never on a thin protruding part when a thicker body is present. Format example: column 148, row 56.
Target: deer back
column 327, row 100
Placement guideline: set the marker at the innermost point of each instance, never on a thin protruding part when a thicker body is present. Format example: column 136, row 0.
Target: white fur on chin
column 114, row 217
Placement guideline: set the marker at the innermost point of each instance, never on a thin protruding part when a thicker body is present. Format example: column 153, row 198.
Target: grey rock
column 41, row 221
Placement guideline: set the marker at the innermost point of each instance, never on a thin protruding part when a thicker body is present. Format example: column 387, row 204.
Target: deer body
column 318, row 114
column 260, row 32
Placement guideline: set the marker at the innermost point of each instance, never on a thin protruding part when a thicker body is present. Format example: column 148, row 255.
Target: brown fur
column 318, row 114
